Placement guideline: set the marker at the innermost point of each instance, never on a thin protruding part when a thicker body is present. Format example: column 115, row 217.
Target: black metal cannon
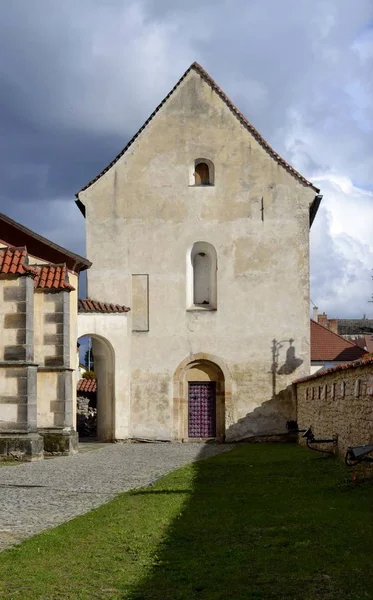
column 358, row 454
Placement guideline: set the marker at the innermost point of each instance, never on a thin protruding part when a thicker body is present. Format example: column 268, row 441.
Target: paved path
column 40, row 495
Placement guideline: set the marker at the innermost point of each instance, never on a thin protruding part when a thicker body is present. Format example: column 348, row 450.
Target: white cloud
column 302, row 72
column 342, row 249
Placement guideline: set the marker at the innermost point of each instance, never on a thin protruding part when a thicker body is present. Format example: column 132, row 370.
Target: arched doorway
column 202, row 398
column 104, row 371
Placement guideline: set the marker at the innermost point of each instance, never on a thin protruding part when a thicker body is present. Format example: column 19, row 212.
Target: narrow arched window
column 202, row 174
column 201, row 276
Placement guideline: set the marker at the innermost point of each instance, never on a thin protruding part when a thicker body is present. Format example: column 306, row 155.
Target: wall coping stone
column 365, row 360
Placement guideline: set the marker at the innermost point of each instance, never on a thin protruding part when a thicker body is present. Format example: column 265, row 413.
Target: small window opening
column 202, row 174
column 201, row 268
column 201, row 277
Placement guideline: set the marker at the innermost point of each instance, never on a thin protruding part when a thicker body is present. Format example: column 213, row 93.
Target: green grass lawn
column 261, row 522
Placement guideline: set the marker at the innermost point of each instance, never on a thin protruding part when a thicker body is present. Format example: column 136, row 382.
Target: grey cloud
column 79, row 78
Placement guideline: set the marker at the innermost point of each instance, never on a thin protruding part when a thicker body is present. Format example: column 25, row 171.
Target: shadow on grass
column 264, row 522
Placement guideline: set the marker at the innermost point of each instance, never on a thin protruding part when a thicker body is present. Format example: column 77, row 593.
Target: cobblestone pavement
column 37, row 496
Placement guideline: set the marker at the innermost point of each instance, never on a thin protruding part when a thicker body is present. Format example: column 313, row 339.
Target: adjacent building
column 38, row 326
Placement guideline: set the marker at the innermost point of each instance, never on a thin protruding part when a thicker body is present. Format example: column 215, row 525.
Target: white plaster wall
column 110, row 330
column 142, row 217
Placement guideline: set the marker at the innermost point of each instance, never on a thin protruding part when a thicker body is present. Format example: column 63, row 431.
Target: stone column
column 63, row 439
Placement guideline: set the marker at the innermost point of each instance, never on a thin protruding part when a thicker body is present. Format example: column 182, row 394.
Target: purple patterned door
column 202, row 409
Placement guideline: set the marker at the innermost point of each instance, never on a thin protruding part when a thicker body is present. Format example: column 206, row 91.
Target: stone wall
column 339, row 402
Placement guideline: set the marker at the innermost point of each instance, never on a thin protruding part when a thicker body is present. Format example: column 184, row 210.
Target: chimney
column 333, row 325
column 323, row 319
column 315, row 312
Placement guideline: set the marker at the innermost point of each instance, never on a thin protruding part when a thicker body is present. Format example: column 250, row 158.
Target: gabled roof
column 14, row 261
column 209, row 80
column 329, row 346
column 86, row 305
column 14, row 234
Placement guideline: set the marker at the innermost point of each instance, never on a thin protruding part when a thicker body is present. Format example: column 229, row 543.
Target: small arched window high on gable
column 203, row 172
column 201, row 277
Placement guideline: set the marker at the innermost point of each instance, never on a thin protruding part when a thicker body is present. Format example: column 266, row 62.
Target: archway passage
column 202, row 397
column 100, row 405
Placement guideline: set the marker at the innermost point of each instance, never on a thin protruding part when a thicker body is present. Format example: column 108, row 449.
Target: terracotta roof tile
column 14, row 261
column 87, row 385
column 52, row 277
column 201, row 71
column 329, row 346
column 365, row 360
column 86, row 305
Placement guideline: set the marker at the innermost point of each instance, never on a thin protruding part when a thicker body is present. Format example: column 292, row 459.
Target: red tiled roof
column 52, row 277
column 329, row 346
column 365, row 360
column 86, row 305
column 201, row 71
column 87, row 385
column 14, row 261
column 361, row 340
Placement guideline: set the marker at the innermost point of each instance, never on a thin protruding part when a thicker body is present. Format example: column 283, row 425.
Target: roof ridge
column 203, row 73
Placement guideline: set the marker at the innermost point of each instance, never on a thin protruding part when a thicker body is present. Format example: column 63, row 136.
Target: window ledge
column 200, row 307
column 201, row 185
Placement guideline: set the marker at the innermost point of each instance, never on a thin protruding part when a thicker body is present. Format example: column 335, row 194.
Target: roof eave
column 80, row 204
column 76, row 262
column 315, row 207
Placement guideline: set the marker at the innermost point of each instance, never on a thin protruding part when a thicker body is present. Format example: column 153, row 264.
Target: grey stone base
column 60, row 441
column 21, row 446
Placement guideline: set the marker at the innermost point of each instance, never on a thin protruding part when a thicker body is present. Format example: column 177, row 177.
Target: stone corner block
column 60, row 441
column 21, row 446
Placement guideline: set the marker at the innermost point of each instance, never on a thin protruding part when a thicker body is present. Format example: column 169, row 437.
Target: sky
column 79, row 78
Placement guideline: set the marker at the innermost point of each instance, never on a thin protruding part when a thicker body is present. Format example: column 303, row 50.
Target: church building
column 202, row 229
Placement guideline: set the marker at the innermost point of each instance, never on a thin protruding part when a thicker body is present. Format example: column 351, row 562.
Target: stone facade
column 38, row 325
column 146, row 218
column 339, row 402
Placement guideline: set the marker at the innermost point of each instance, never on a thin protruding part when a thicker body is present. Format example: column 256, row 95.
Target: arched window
column 201, row 277
column 203, row 172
